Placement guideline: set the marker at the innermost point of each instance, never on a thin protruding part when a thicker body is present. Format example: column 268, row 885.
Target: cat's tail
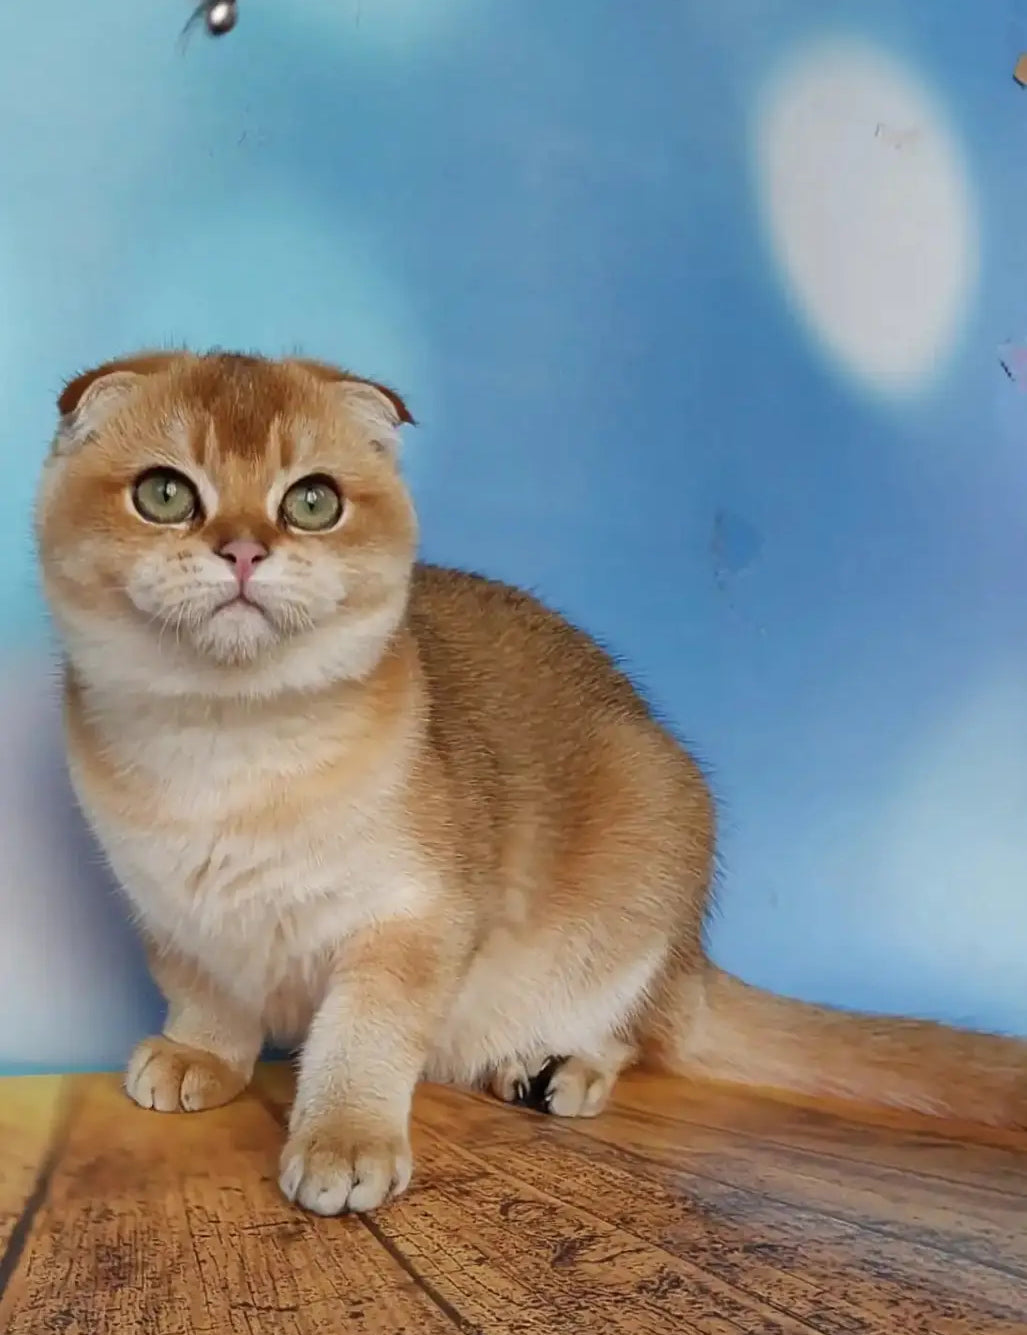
column 711, row 1025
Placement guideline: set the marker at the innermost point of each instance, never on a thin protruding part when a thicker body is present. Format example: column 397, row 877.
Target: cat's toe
column 510, row 1082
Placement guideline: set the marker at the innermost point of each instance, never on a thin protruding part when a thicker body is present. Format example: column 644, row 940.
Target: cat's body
column 497, row 744
column 403, row 816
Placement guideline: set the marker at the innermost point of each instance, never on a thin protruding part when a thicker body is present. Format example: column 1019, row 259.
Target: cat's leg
column 208, row 1049
column 348, row 1146
column 574, row 1086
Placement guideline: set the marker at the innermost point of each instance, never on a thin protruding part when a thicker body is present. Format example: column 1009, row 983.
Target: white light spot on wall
column 869, row 211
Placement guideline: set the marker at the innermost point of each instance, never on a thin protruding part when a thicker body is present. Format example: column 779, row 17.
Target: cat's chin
column 237, row 634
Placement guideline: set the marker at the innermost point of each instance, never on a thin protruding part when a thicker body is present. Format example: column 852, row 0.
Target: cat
column 404, row 817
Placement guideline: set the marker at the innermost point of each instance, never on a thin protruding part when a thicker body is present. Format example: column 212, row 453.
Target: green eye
column 165, row 497
column 313, row 504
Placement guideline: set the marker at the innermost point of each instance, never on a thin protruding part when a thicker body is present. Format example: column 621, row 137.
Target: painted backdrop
column 745, row 283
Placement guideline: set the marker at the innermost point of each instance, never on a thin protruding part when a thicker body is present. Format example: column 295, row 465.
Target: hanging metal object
column 217, row 16
column 221, row 16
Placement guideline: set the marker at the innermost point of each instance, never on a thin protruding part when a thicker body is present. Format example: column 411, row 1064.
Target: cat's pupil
column 169, row 490
column 312, row 497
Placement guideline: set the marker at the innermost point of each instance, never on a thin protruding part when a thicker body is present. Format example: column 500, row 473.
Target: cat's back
column 553, row 767
column 500, row 660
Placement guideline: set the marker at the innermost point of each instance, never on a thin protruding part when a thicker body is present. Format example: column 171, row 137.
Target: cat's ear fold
column 380, row 407
column 88, row 401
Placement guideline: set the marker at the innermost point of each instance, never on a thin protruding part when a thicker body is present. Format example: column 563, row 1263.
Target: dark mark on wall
column 895, row 137
column 734, row 545
column 1012, row 357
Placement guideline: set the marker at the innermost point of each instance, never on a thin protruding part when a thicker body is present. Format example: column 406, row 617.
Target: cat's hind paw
column 562, row 1086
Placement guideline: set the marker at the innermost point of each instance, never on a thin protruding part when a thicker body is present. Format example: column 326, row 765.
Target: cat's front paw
column 170, row 1077
column 331, row 1165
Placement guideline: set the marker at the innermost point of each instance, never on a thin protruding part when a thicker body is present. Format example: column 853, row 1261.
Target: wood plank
column 950, row 1151
column 678, row 1211
column 32, row 1111
column 957, row 1218
column 836, row 1275
column 891, row 1263
column 173, row 1225
column 514, row 1257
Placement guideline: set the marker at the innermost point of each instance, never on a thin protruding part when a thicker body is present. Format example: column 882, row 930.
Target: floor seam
column 427, row 1288
column 11, row 1257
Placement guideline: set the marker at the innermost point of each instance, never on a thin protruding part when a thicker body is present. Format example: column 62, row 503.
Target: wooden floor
column 680, row 1210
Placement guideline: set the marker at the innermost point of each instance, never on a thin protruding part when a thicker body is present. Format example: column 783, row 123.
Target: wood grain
column 32, row 1113
column 681, row 1210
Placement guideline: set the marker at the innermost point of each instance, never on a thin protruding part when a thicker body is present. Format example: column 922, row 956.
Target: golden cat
column 405, row 817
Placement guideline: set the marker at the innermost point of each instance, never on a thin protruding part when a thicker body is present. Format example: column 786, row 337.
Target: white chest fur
column 236, row 871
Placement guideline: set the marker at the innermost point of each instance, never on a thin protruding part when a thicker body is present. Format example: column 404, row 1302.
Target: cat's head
column 224, row 524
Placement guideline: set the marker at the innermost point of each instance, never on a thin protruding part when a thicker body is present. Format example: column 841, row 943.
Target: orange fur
column 406, row 817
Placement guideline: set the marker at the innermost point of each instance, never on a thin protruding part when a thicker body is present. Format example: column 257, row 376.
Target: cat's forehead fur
column 236, row 408
column 229, row 408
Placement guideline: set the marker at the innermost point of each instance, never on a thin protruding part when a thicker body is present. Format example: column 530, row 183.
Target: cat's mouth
column 239, row 600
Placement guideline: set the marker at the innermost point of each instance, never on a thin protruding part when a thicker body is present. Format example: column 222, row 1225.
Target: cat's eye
column 313, row 504
column 164, row 496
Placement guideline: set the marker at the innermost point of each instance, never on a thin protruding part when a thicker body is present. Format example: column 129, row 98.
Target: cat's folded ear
column 380, row 407
column 88, row 400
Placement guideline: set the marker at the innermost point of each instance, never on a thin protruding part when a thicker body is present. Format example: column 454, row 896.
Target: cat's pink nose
column 244, row 556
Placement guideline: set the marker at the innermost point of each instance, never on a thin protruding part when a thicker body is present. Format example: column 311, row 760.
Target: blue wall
column 703, row 308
